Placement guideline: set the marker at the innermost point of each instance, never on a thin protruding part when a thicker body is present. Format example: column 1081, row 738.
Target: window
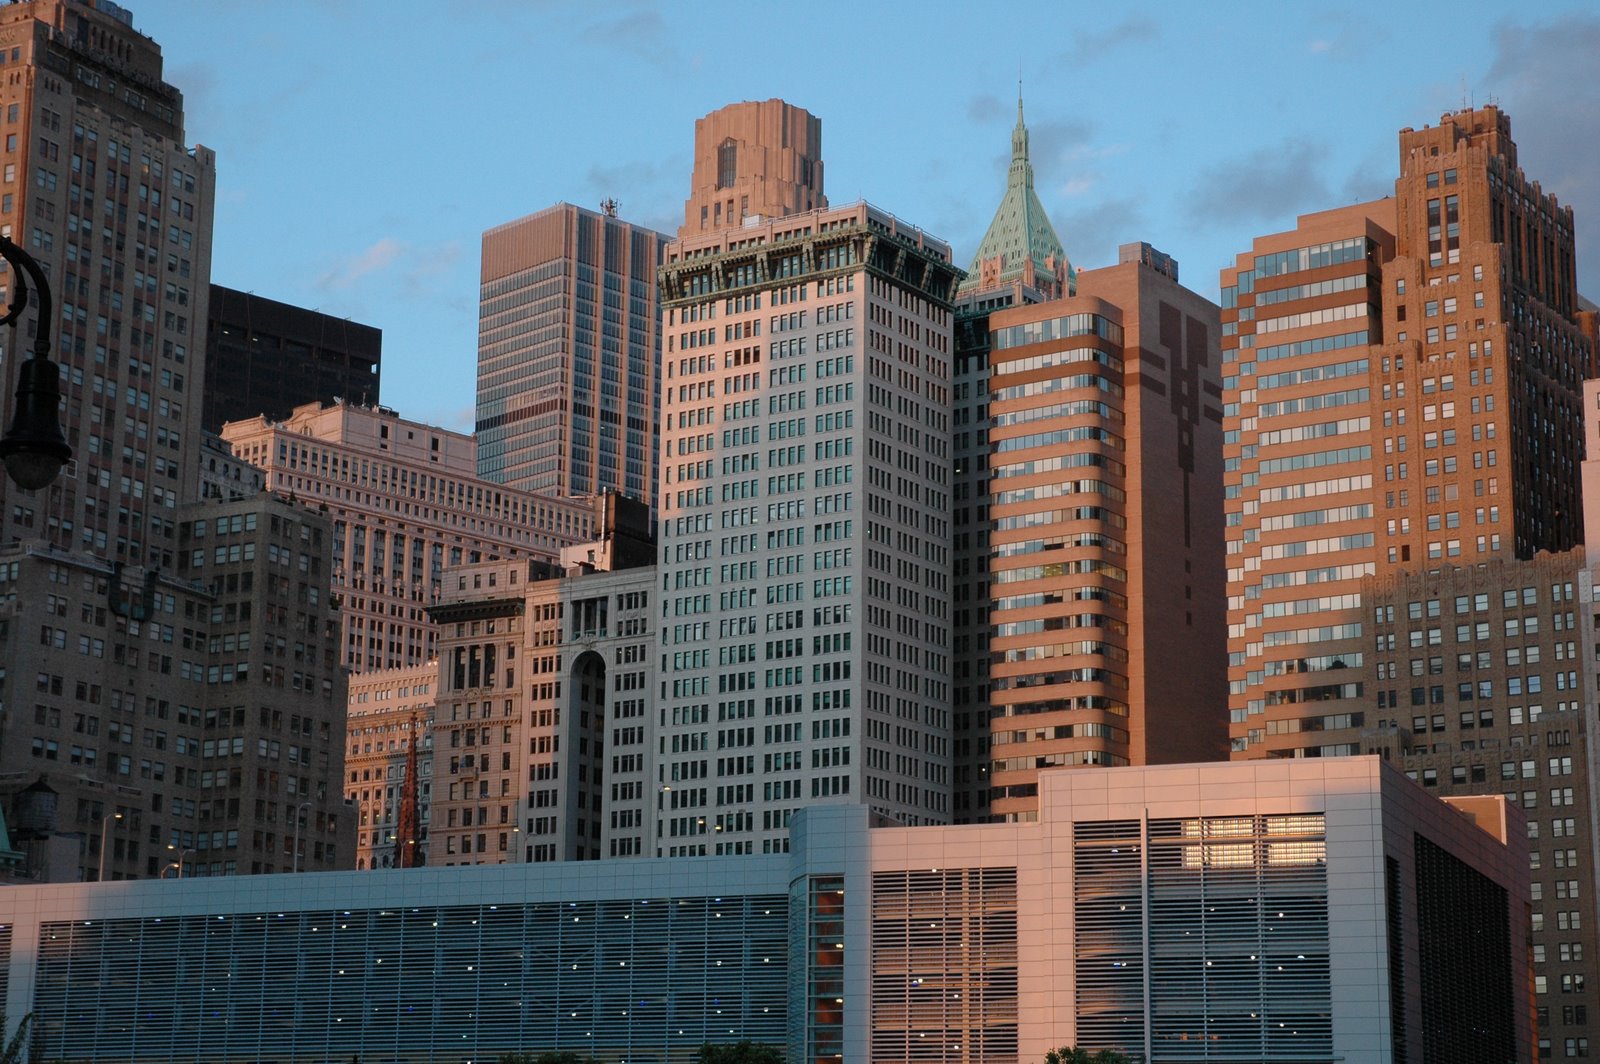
column 727, row 163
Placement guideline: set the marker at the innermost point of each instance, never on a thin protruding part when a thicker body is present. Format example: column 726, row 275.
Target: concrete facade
column 194, row 715
column 223, row 475
column 406, row 502
column 88, row 86
column 805, row 529
column 542, row 740
column 1259, row 911
column 1483, row 687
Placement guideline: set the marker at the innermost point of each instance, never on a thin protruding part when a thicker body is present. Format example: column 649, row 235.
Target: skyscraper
column 1422, row 409
column 1484, row 358
column 1105, row 529
column 99, row 186
column 1019, row 261
column 266, row 357
column 95, row 126
column 568, row 354
column 753, row 159
column 805, row 551
column 1301, row 460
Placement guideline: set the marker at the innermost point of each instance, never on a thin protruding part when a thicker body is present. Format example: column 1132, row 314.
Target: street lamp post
column 178, row 864
column 294, row 858
column 33, row 449
column 105, row 840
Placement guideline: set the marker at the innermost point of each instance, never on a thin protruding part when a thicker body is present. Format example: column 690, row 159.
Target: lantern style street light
column 33, row 448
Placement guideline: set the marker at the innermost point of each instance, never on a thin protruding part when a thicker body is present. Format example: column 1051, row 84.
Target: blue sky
column 363, row 147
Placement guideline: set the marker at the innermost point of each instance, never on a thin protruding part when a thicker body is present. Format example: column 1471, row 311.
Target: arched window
column 727, row 163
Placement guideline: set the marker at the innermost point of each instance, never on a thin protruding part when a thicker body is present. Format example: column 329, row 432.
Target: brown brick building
column 1105, row 540
column 753, row 159
column 1403, row 393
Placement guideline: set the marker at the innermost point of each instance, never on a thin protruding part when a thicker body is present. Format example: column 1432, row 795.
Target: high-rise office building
column 568, row 354
column 95, row 128
column 1483, row 360
column 266, row 357
column 1105, row 529
column 753, row 159
column 1403, row 381
column 1019, row 261
column 270, row 766
column 188, row 717
column 152, row 692
column 1403, row 393
column 406, row 502
column 1301, row 461
column 805, row 509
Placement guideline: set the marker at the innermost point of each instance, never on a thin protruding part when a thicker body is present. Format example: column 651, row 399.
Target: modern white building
column 1311, row 911
column 805, row 534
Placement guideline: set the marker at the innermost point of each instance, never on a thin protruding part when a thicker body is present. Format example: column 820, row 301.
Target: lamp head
column 33, row 449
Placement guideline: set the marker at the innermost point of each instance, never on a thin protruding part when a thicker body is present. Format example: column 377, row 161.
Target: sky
column 364, row 147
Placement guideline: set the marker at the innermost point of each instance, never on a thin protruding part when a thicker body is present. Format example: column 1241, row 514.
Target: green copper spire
column 1021, row 244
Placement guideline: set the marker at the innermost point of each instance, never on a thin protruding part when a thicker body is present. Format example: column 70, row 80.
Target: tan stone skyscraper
column 753, row 159
column 804, row 634
column 93, row 126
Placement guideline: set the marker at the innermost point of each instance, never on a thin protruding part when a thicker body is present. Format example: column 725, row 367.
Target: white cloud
column 351, row 271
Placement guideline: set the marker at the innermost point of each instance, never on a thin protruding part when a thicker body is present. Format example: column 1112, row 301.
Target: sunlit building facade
column 1302, row 459
column 805, row 527
column 406, row 502
column 388, row 708
column 568, row 354
column 1105, row 530
column 755, row 159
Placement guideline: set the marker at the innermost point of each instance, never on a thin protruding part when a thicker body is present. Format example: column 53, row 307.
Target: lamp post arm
column 19, row 257
column 34, row 448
